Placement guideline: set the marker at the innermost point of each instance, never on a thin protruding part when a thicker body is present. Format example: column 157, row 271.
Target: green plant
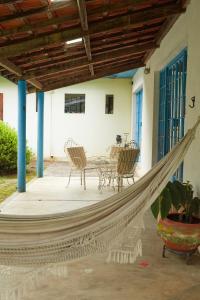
column 181, row 197
column 8, row 149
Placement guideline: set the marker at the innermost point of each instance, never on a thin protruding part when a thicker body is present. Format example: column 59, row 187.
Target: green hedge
column 8, row 149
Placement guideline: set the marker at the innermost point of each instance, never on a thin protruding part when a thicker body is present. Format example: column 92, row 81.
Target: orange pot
column 179, row 236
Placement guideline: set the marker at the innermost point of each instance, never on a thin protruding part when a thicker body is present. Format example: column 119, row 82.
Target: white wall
column 95, row 130
column 185, row 33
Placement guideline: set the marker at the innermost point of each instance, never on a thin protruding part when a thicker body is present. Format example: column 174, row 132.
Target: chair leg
column 118, row 183
column 81, row 178
column 100, row 186
column 84, row 182
column 112, row 181
column 69, row 178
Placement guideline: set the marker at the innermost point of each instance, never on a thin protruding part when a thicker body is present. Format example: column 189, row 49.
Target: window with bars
column 74, row 103
column 172, row 106
column 109, row 107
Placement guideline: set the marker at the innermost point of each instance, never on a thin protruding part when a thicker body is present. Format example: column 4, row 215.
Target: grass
column 8, row 184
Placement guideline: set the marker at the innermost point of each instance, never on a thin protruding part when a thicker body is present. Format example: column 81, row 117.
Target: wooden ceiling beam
column 63, row 59
column 45, row 56
column 185, row 3
column 165, row 28
column 99, row 58
column 138, row 18
column 38, row 65
column 120, row 44
column 55, row 57
column 66, row 72
column 34, row 11
column 125, row 36
column 35, row 83
column 8, row 65
column 86, row 39
column 17, row 71
column 170, row 21
column 9, row 1
column 129, row 4
column 106, row 72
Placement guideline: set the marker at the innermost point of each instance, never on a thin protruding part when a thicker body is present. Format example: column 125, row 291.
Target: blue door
column 138, row 127
column 172, row 106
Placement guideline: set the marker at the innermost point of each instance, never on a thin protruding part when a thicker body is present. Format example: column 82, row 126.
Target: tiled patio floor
column 150, row 278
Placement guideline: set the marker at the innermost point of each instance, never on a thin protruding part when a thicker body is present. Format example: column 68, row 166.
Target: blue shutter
column 172, row 106
column 138, row 128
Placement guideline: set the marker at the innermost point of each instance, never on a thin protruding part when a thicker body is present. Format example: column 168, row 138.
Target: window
column 109, row 104
column 75, row 103
column 172, row 106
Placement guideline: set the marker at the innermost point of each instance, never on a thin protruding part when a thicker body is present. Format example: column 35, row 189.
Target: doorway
column 138, row 125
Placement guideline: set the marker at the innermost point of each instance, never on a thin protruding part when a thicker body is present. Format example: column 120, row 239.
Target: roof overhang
column 38, row 38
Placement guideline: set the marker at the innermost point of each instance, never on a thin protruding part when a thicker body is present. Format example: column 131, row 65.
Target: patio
column 151, row 277
column 55, row 52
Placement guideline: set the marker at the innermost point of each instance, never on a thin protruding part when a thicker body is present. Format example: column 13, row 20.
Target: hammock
column 113, row 225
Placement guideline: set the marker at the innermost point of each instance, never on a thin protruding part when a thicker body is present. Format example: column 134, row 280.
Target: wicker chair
column 114, row 153
column 124, row 168
column 79, row 162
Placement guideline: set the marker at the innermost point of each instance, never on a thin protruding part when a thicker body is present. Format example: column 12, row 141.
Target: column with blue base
column 21, row 153
column 40, row 137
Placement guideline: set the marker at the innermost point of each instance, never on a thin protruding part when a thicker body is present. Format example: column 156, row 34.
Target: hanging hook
column 193, row 99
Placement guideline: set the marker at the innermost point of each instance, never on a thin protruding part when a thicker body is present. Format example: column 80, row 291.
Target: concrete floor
column 150, row 278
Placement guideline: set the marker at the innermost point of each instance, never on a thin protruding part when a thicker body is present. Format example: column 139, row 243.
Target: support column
column 40, row 137
column 21, row 154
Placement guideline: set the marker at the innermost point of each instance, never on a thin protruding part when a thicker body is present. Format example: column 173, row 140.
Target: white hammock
column 113, row 225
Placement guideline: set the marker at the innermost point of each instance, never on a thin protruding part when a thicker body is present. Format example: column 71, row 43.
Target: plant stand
column 187, row 254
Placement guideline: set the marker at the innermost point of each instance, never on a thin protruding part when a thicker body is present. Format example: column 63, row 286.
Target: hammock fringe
column 33, row 246
column 124, row 256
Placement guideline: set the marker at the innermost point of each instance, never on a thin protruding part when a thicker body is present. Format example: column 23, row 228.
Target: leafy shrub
column 8, row 149
column 180, row 196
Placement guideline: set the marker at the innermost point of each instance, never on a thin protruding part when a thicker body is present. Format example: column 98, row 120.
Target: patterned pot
column 179, row 236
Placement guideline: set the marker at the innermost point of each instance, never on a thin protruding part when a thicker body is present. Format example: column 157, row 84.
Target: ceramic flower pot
column 179, row 236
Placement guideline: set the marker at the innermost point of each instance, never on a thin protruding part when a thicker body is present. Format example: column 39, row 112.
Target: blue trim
column 172, row 106
column 126, row 74
column 21, row 154
column 40, row 139
column 138, row 128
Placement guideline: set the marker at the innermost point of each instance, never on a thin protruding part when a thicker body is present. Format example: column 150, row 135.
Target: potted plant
column 178, row 211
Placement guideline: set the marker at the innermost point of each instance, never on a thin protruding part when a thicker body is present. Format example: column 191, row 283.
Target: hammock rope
column 33, row 240
column 31, row 247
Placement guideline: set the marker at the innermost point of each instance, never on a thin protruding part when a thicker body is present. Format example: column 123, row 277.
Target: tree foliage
column 8, row 149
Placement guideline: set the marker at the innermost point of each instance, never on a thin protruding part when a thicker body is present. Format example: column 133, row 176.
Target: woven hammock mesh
column 32, row 246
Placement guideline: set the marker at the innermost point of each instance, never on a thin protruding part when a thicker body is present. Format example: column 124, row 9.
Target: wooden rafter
column 170, row 21
column 138, row 18
column 74, row 71
column 79, row 79
column 116, row 37
column 86, row 39
column 9, row 1
column 129, row 4
column 100, row 58
column 34, row 11
column 60, row 55
column 16, row 70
